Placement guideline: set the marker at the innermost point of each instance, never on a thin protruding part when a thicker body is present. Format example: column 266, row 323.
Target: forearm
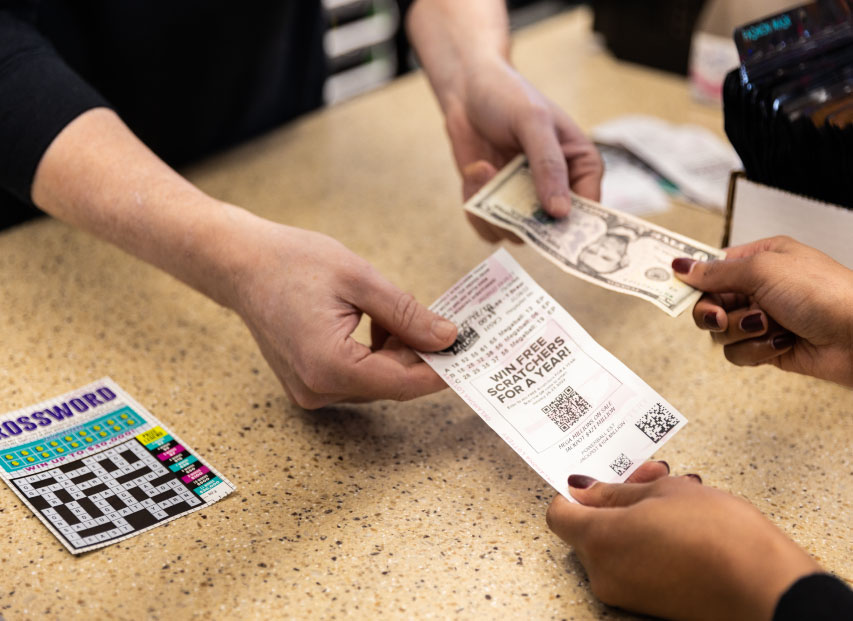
column 452, row 37
column 97, row 176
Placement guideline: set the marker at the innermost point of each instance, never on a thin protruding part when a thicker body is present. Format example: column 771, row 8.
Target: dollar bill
column 603, row 246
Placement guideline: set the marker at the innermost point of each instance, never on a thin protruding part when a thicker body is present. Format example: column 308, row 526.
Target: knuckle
column 762, row 264
column 782, row 241
column 358, row 271
column 603, row 589
column 405, row 311
column 551, row 516
column 734, row 355
column 314, row 376
column 549, row 164
column 401, row 392
column 606, row 493
column 307, row 400
column 538, row 114
column 759, row 261
column 709, row 269
column 593, row 164
column 315, row 382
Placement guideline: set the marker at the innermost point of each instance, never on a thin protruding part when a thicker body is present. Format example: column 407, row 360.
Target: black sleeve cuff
column 39, row 96
column 404, row 6
column 819, row 597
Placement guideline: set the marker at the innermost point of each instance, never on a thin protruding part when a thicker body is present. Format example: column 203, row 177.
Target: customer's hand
column 303, row 294
column 677, row 549
column 777, row 301
column 498, row 115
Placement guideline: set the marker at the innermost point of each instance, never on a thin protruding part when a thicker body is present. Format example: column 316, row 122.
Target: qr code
column 567, row 409
column 657, row 422
column 621, row 464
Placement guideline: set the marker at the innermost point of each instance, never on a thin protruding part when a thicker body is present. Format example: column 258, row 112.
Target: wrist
column 777, row 571
column 224, row 254
column 450, row 51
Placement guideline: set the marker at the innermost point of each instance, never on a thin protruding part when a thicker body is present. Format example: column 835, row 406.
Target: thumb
column 402, row 315
column 474, row 176
column 743, row 270
column 592, row 493
column 721, row 275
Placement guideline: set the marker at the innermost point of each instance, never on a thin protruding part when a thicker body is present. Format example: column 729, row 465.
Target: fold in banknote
column 603, row 246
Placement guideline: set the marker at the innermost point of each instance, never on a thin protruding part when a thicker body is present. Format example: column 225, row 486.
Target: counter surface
column 391, row 509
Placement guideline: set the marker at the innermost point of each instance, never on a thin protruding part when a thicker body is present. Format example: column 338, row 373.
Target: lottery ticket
column 97, row 468
column 537, row 378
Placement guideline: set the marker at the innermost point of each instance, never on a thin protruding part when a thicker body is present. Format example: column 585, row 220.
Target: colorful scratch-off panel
column 72, row 440
column 106, row 473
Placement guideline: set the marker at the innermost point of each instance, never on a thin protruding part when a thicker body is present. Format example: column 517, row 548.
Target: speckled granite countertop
column 394, row 510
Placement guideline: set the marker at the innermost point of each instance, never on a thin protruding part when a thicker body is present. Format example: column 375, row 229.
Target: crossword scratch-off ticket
column 97, row 468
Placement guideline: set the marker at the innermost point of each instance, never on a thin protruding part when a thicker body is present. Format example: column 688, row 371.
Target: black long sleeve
column 819, row 597
column 39, row 95
column 188, row 77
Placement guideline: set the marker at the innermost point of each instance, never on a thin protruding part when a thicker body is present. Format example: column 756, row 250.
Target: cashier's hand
column 497, row 115
column 302, row 298
column 777, row 301
column 676, row 549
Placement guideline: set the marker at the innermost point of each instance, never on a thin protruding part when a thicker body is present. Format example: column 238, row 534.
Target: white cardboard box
column 756, row 211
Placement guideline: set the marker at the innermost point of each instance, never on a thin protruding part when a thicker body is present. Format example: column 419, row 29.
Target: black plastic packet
column 789, row 106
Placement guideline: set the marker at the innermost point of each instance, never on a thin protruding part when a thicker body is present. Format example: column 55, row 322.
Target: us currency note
column 603, row 246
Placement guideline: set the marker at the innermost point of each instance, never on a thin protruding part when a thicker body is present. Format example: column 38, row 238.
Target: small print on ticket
column 559, row 399
column 97, row 468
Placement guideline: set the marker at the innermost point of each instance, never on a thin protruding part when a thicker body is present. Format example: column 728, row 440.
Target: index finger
column 742, row 271
column 769, row 244
column 585, row 166
column 538, row 138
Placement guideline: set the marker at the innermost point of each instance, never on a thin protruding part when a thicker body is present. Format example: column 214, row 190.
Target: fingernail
column 442, row 329
column 752, row 323
column 783, row 341
column 668, row 469
column 695, row 477
column 559, row 206
column 683, row 265
column 581, row 481
column 711, row 322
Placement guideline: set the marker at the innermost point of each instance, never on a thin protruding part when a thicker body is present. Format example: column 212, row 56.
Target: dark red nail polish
column 696, row 477
column 668, row 469
column 581, row 481
column 682, row 265
column 752, row 323
column 783, row 341
column 711, row 322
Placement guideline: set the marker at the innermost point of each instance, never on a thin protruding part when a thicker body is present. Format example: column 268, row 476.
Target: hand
column 676, row 549
column 777, row 301
column 303, row 294
column 498, row 115
column 300, row 293
column 491, row 112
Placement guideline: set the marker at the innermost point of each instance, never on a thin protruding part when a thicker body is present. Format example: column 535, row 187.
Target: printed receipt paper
column 558, row 398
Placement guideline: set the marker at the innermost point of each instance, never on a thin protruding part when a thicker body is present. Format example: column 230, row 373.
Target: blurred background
column 366, row 43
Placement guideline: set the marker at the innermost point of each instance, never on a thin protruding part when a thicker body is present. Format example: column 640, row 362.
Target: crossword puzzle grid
column 110, row 494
